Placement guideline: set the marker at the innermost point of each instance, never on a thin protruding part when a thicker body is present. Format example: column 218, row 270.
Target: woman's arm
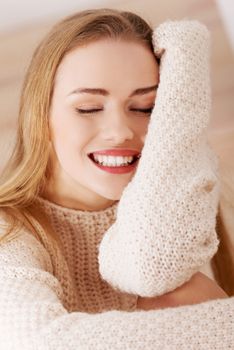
column 166, row 218
column 32, row 315
column 198, row 289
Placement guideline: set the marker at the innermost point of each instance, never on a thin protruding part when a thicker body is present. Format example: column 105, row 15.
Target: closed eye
column 145, row 110
column 95, row 110
column 84, row 111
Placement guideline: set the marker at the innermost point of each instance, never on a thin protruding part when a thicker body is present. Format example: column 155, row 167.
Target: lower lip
column 117, row 169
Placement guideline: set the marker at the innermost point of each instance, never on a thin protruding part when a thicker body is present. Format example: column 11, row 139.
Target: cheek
column 62, row 124
column 141, row 128
column 67, row 130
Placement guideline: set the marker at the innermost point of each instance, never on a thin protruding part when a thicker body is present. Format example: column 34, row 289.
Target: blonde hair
column 28, row 170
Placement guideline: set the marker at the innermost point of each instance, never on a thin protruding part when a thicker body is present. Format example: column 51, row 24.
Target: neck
column 72, row 203
column 79, row 199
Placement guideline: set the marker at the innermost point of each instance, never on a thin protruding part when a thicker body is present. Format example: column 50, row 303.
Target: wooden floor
column 18, row 46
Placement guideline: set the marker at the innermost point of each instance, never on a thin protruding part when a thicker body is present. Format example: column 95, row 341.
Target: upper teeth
column 111, row 160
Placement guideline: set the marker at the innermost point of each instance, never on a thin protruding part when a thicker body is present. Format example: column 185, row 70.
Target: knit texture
column 83, row 294
column 167, row 212
column 56, row 299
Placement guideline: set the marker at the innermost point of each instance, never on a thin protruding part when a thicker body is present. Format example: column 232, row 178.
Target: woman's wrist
column 198, row 289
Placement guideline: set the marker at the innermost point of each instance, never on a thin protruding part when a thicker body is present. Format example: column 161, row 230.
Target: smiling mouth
column 135, row 159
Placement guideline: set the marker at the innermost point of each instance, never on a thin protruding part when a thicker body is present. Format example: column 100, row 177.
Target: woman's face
column 115, row 71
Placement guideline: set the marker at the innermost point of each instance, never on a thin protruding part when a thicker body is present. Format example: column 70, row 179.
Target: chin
column 114, row 197
column 111, row 190
column 110, row 193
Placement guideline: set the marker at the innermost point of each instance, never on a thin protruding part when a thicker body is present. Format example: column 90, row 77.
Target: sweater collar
column 77, row 212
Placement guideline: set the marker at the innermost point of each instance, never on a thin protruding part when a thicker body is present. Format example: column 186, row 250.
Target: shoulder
column 21, row 247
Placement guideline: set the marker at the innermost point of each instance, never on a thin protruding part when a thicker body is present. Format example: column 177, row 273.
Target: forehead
column 108, row 62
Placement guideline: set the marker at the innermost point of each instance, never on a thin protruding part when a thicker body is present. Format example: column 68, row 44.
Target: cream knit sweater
column 171, row 202
column 56, row 299
column 83, row 295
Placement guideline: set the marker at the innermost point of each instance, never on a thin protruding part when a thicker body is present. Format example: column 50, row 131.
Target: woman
column 66, row 251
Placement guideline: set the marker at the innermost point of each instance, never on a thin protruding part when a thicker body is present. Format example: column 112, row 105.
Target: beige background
column 17, row 46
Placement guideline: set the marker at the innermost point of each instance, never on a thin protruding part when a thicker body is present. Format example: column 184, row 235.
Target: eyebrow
column 103, row 92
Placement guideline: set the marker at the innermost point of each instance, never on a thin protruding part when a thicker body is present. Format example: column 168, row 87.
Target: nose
column 117, row 128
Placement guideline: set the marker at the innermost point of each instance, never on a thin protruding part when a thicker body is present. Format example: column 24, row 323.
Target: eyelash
column 92, row 111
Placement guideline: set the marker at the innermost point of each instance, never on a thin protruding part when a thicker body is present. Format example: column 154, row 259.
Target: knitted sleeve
column 165, row 226
column 32, row 316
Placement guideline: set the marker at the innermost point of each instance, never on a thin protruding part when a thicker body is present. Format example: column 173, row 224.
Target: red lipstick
column 118, row 152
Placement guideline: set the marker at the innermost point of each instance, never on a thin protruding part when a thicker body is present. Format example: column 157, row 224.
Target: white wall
column 226, row 8
column 15, row 13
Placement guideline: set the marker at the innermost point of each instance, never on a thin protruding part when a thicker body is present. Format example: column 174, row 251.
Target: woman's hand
column 198, row 289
